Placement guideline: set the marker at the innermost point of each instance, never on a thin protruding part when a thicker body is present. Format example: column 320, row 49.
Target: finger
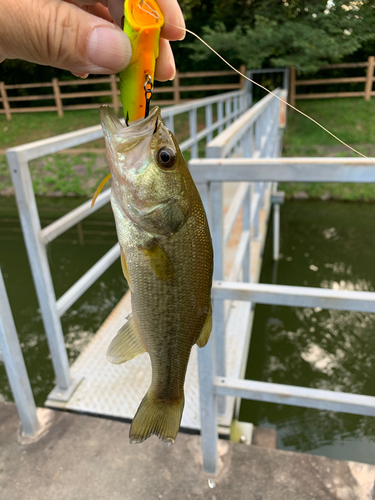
column 165, row 66
column 174, row 20
column 59, row 34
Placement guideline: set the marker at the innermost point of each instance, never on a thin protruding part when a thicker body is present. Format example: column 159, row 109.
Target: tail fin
column 157, row 416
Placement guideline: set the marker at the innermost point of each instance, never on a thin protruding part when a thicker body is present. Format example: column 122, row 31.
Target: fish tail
column 157, row 416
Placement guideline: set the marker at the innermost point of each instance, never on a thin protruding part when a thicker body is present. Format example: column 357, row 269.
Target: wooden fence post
column 114, row 92
column 243, row 71
column 4, row 97
column 176, row 88
column 57, row 94
column 369, row 77
column 292, row 86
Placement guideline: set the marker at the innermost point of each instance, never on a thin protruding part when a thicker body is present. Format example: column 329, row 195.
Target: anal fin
column 206, row 330
column 126, row 345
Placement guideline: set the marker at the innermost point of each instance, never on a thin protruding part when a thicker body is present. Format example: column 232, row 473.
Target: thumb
column 60, row 34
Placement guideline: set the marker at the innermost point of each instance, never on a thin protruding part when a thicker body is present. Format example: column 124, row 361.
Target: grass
column 352, row 120
column 29, row 127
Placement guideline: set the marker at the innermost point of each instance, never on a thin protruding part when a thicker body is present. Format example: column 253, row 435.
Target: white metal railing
column 11, row 355
column 254, row 134
column 229, row 107
column 214, row 386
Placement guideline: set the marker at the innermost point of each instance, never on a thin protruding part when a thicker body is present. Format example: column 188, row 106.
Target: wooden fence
column 59, row 98
column 368, row 81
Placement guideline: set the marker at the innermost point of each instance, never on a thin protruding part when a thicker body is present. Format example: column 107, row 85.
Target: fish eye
column 166, row 157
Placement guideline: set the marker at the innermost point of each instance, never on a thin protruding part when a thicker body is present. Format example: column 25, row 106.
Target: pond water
column 70, row 256
column 327, row 244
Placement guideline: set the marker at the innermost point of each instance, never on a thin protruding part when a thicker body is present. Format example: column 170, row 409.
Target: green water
column 324, row 244
column 69, row 257
column 328, row 245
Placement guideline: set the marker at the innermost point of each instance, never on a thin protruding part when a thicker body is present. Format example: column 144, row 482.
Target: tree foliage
column 305, row 34
column 302, row 33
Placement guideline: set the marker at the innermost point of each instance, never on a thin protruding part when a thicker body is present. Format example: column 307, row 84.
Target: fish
column 167, row 260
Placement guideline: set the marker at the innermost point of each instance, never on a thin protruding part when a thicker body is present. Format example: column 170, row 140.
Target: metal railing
column 229, row 107
column 254, row 134
column 11, row 355
column 214, row 385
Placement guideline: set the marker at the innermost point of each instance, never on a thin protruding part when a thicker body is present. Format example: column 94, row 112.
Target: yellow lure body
column 143, row 21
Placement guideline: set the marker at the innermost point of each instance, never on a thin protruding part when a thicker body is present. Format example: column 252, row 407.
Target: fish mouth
column 138, row 129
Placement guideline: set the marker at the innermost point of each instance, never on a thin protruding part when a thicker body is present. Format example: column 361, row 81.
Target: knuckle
column 62, row 37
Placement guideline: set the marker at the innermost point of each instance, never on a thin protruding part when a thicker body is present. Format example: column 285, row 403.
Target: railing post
column 216, row 193
column 169, row 122
column 193, row 132
column 57, row 94
column 208, row 111
column 206, row 370
column 176, row 88
column 292, row 88
column 276, row 231
column 113, row 81
column 228, row 106
column 369, row 77
column 246, row 219
column 208, row 402
column 15, row 366
column 30, row 222
column 220, row 114
column 6, row 104
column 257, row 211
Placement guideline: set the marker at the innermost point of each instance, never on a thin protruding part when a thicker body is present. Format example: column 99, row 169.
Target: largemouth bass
column 167, row 259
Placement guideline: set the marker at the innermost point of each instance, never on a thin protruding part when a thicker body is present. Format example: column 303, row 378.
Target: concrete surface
column 82, row 457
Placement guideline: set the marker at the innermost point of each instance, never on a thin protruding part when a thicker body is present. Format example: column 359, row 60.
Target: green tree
column 305, row 34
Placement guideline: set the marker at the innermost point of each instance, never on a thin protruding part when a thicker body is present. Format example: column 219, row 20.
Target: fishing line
column 258, row 84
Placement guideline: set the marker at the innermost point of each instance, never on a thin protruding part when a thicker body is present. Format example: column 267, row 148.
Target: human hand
column 81, row 36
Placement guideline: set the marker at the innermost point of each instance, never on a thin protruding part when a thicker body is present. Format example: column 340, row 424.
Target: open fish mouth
column 113, row 127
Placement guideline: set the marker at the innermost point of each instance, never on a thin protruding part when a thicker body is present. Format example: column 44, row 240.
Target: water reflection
column 70, row 256
column 329, row 245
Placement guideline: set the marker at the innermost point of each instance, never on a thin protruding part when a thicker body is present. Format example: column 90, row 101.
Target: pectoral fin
column 206, row 330
column 126, row 345
column 159, row 261
column 124, row 266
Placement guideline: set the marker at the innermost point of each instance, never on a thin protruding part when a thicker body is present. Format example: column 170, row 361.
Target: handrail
column 200, row 103
column 295, row 296
column 67, row 221
column 307, row 397
column 283, row 170
column 221, row 145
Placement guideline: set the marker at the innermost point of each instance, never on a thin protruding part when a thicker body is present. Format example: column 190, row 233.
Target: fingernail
column 80, row 75
column 172, row 62
column 183, row 35
column 182, row 25
column 173, row 66
column 108, row 48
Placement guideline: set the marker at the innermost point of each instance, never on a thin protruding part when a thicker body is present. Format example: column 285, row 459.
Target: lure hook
column 148, row 93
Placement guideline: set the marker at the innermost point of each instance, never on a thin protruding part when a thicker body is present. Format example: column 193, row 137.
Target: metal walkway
column 117, row 390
